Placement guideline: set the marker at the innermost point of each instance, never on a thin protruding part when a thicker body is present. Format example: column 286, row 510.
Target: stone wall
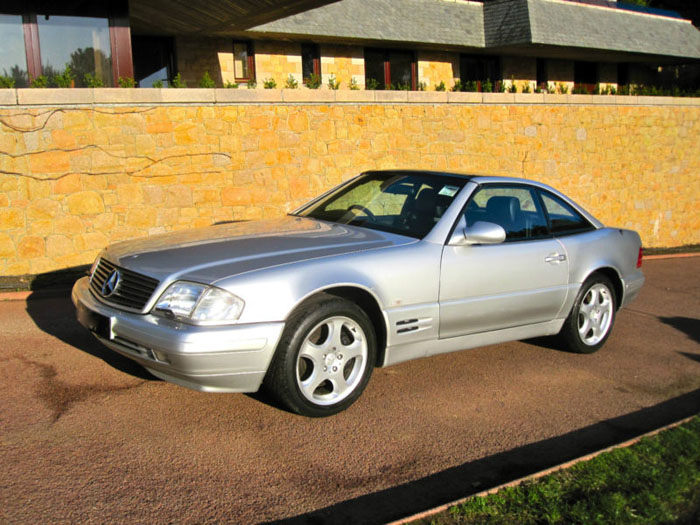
column 343, row 62
column 435, row 67
column 277, row 60
column 82, row 168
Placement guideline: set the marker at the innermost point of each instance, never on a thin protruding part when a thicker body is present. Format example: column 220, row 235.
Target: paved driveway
column 87, row 436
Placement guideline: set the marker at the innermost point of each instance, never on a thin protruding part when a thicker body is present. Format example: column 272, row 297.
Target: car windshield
column 405, row 203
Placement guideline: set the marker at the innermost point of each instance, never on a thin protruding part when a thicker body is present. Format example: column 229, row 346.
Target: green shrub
column 471, row 86
column 441, row 86
column 371, row 84
column 269, row 83
column 422, row 86
column 457, row 86
column 157, row 83
column 65, row 79
column 526, row 87
column 230, row 85
column 7, row 82
column 333, row 84
column 403, row 87
column 512, row 88
column 487, row 86
column 354, row 85
column 291, row 83
column 563, row 88
column 207, row 81
column 39, row 82
column 92, row 81
column 252, row 84
column 177, row 82
column 126, row 82
column 314, row 81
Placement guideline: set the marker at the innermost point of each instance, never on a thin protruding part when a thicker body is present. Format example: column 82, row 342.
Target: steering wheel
column 364, row 210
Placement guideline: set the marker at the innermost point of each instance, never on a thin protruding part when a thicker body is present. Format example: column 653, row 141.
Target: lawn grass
column 656, row 480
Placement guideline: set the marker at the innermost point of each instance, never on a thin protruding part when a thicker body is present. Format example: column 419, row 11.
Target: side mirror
column 478, row 233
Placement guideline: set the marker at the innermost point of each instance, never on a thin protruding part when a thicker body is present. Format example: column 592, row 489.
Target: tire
column 324, row 359
column 592, row 317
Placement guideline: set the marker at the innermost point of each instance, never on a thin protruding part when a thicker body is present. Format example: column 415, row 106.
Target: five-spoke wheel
column 592, row 316
column 324, row 359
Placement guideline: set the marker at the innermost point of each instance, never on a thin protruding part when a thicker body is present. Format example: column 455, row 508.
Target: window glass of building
column 400, row 69
column 374, row 67
column 13, row 60
column 310, row 61
column 82, row 43
column 242, row 61
column 390, row 68
column 478, row 69
column 154, row 59
column 586, row 75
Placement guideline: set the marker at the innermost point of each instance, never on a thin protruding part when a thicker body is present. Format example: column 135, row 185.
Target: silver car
column 387, row 267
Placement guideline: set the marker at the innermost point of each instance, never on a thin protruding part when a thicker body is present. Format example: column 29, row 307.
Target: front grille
column 133, row 291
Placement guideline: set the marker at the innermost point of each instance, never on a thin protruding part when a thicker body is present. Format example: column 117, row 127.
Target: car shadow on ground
column 53, row 312
column 469, row 478
column 687, row 325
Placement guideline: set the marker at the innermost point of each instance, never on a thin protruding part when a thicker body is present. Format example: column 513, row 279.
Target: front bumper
column 206, row 358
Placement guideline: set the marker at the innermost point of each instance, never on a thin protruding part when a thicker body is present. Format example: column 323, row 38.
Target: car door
column 518, row 282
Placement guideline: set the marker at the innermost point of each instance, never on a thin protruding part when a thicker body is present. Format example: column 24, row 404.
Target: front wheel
column 592, row 317
column 324, row 359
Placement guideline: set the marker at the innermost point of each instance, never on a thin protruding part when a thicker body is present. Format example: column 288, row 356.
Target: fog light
column 161, row 356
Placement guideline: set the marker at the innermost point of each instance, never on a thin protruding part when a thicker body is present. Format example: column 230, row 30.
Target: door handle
column 555, row 257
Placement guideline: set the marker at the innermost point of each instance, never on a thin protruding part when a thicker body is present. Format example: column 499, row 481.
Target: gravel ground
column 87, row 436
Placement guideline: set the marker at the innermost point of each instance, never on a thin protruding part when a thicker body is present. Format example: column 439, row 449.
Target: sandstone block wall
column 77, row 176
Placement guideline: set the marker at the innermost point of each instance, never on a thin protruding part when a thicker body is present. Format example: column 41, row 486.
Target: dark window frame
column 562, row 202
column 250, row 61
column 387, row 65
column 315, row 52
column 119, row 37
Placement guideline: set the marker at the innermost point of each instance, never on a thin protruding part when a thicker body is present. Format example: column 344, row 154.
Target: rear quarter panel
column 614, row 248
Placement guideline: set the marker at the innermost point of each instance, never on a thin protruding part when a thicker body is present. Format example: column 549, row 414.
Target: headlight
column 199, row 303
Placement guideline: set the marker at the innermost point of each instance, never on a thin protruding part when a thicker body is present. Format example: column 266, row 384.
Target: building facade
column 549, row 45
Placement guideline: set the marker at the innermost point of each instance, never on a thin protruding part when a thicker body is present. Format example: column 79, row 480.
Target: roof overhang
column 210, row 17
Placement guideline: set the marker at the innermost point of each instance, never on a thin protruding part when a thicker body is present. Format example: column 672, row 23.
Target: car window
column 399, row 202
column 515, row 208
column 563, row 219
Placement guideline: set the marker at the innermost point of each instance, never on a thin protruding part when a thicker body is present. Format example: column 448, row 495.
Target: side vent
column 413, row 325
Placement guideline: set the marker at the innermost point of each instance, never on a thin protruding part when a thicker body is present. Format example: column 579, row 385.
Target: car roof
column 479, row 179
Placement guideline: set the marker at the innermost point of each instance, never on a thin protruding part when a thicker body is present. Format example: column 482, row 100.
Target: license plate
column 99, row 324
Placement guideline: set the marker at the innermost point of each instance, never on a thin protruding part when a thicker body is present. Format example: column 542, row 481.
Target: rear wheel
column 592, row 317
column 324, row 359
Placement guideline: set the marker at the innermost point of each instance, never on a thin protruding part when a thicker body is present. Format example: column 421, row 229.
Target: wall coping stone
column 8, row 96
column 499, row 98
column 349, row 95
column 55, row 96
column 127, row 96
column 300, row 95
column 188, row 95
column 391, row 96
column 456, row 97
column 431, row 97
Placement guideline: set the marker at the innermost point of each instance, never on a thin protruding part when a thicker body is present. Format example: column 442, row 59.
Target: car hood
column 215, row 252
